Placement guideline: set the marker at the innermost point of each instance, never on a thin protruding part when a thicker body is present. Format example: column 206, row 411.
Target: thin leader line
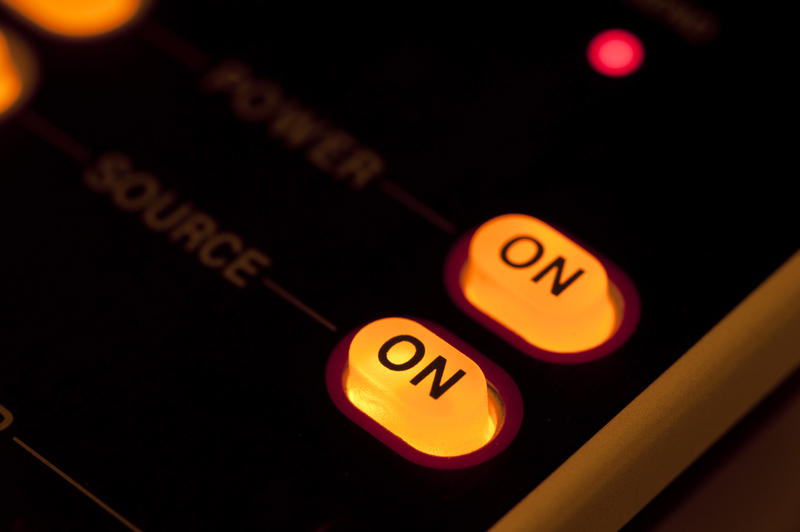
column 287, row 296
column 37, row 124
column 401, row 196
column 80, row 488
column 177, row 47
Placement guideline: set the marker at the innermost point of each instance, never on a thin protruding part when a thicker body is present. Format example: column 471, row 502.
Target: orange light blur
column 563, row 312
column 76, row 18
column 461, row 420
column 10, row 78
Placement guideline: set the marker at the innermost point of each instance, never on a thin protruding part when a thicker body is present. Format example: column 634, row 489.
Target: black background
column 188, row 404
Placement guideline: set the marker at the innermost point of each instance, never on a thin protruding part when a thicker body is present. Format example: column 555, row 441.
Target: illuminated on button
column 10, row 79
column 420, row 388
column 77, row 18
column 539, row 284
column 17, row 71
column 424, row 393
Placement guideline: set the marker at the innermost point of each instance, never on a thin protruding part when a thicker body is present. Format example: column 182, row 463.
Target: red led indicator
column 615, row 53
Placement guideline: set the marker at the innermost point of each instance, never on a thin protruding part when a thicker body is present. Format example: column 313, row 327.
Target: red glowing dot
column 615, row 53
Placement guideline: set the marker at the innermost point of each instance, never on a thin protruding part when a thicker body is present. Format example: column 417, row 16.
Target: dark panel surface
column 187, row 403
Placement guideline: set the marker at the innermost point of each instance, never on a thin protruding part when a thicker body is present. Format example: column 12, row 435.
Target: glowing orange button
column 420, row 388
column 539, row 284
column 12, row 83
column 77, row 18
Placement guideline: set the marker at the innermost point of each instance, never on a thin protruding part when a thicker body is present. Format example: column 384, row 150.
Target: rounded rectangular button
column 76, row 18
column 10, row 80
column 541, row 287
column 420, row 388
column 423, row 390
column 16, row 71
